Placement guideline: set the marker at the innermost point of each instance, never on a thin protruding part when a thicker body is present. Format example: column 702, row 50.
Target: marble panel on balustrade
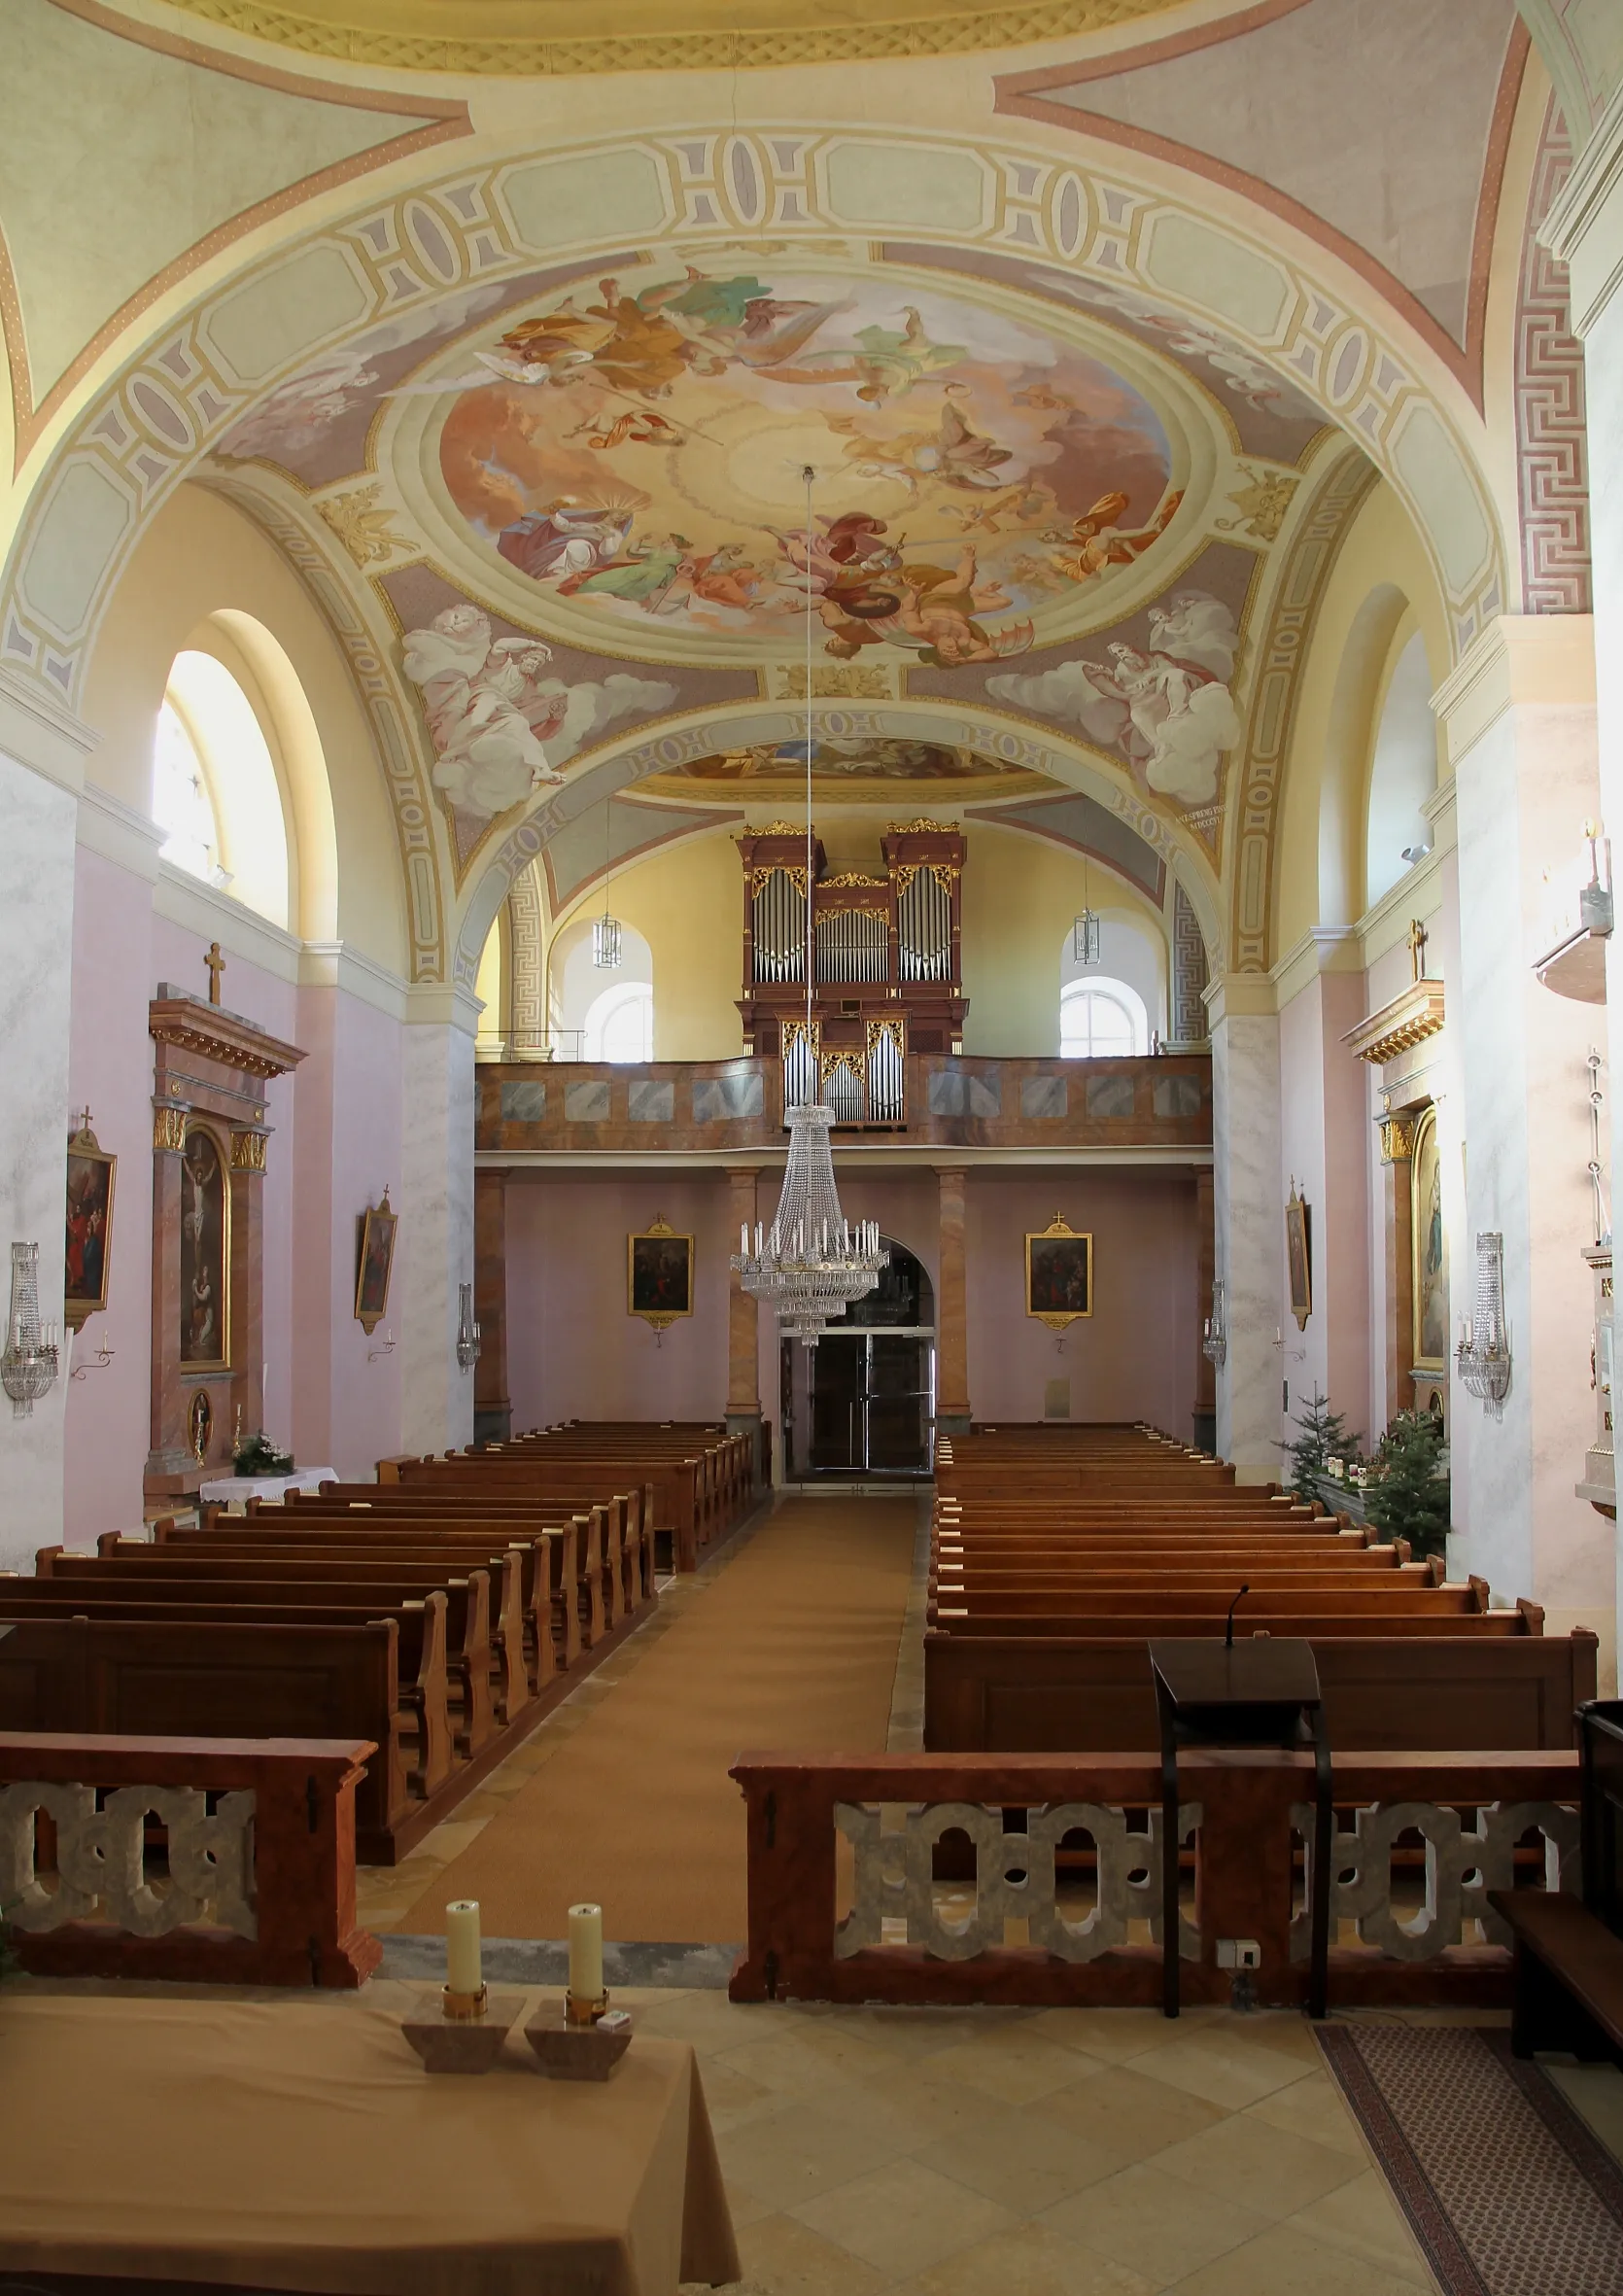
column 588, row 1102
column 1110, row 1096
column 523, row 1103
column 728, row 1099
column 1045, row 1098
column 953, row 1093
column 1177, row 1098
column 650, row 1100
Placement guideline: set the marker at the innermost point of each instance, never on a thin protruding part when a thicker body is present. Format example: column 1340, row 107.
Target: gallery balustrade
column 924, row 1099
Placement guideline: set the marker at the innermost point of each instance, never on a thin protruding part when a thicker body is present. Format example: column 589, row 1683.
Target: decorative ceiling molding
column 444, row 120
column 1035, row 96
column 1276, row 686
column 404, row 39
column 1552, row 429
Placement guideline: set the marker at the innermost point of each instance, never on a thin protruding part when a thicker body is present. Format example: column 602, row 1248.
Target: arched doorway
column 862, row 1402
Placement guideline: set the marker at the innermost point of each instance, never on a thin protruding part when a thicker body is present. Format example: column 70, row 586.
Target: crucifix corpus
column 217, row 965
column 1418, row 938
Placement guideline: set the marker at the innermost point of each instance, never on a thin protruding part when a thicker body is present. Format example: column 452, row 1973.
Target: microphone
column 1229, row 1636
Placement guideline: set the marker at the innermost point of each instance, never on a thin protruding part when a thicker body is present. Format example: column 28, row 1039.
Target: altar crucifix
column 1418, row 938
column 216, row 964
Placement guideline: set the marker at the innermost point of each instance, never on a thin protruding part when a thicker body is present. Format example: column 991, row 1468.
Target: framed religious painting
column 658, row 1275
column 1427, row 1251
column 206, row 1305
column 1298, row 1256
column 377, row 1263
column 1059, row 1275
column 89, row 1232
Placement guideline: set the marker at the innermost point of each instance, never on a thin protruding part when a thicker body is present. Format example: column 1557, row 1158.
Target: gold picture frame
column 1428, row 1330
column 204, row 1306
column 87, row 1255
column 375, row 1263
column 1060, row 1274
column 1298, row 1256
column 658, row 1275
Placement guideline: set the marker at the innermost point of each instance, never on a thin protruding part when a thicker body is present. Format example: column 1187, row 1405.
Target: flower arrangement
column 259, row 1455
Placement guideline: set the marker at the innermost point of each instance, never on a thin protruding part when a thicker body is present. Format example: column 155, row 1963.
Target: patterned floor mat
column 1506, row 2190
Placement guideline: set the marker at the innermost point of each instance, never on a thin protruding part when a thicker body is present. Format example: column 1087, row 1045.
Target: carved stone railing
column 584, row 1107
column 227, row 1860
column 995, row 1877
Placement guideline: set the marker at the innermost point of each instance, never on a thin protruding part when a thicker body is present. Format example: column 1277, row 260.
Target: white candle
column 586, row 1952
column 744, row 1241
column 462, row 1947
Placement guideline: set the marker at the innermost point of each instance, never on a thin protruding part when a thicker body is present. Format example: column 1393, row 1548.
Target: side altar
column 209, row 1145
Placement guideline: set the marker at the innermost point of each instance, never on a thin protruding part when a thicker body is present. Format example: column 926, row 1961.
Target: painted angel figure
column 490, row 711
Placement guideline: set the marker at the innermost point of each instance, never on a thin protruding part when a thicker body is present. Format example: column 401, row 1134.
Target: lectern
column 1256, row 1693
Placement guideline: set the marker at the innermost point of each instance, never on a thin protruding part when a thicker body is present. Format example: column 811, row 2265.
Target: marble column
column 434, row 1251
column 42, row 754
column 952, row 1408
column 1584, row 228
column 493, row 1411
column 1519, row 717
column 1250, row 1213
column 743, row 1321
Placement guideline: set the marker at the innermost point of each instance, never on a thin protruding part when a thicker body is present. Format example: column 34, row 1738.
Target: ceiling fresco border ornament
column 1323, row 523
column 148, row 428
column 921, row 32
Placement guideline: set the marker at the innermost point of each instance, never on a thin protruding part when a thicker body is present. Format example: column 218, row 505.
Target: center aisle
column 793, row 1645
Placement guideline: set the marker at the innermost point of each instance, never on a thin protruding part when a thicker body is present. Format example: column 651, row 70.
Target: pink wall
column 1134, row 1358
column 573, row 1351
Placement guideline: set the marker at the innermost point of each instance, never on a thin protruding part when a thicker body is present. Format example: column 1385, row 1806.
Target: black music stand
column 1256, row 1693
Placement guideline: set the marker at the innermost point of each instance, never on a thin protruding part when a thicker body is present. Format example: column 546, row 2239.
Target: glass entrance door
column 865, row 1402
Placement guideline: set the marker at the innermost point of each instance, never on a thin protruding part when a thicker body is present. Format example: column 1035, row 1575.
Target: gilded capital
column 169, row 1126
column 1396, row 1139
column 248, row 1151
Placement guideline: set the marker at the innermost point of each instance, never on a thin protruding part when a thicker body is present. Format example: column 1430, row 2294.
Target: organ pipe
column 852, row 945
column 779, row 921
column 924, row 928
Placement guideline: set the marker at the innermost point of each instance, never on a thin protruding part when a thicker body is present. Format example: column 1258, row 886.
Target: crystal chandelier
column 28, row 1362
column 810, row 1264
column 1483, row 1354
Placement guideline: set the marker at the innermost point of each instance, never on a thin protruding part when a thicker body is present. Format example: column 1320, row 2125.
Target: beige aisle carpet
column 792, row 1647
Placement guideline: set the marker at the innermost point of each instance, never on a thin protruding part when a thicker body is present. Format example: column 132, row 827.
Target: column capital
column 1518, row 661
column 1232, row 996
column 1584, row 226
column 39, row 730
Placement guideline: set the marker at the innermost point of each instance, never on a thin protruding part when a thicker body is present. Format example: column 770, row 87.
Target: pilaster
column 743, row 1321
column 952, row 1408
column 1250, row 1220
column 435, row 1249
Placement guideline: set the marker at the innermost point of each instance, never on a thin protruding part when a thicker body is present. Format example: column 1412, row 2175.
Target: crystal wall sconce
column 29, row 1362
column 1483, row 1354
column 1215, row 1345
column 468, row 1331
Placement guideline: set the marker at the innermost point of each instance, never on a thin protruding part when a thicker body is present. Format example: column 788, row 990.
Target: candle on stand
column 586, row 1953
column 462, row 1947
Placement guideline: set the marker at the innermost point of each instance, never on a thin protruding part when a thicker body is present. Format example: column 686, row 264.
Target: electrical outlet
column 1238, row 1953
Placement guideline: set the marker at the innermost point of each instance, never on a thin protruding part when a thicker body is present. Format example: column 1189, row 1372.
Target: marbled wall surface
column 1602, row 352
column 434, row 1248
column 1521, row 789
column 1249, row 1240
column 36, row 922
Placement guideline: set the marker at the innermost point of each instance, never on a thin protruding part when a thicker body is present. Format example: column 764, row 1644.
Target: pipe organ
column 887, row 978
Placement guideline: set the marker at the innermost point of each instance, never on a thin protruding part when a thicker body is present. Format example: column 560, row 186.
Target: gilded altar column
column 744, row 1320
column 493, row 1411
column 1397, row 1135
column 953, row 1411
column 168, row 1455
column 247, row 1341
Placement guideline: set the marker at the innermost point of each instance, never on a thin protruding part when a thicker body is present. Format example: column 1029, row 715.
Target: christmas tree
column 1324, row 1437
column 1409, row 1494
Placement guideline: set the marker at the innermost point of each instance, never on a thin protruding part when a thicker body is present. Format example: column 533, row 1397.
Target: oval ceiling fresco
column 634, row 451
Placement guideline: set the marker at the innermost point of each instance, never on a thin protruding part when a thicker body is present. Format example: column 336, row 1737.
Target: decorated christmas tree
column 1409, row 1496
column 1324, row 1437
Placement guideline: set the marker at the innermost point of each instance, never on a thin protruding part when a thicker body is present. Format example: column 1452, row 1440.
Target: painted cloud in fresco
column 501, row 727
column 1168, row 711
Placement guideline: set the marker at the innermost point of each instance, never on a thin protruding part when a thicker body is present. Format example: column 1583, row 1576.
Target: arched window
column 619, row 1024
column 180, row 800
column 215, row 787
column 1101, row 1020
column 1402, row 773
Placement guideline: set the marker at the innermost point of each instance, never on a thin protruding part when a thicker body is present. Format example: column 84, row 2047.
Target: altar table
column 235, row 1490
column 301, row 2146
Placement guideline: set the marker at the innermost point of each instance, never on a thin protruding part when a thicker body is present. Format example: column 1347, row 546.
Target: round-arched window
column 1101, row 1020
column 619, row 1025
column 215, row 787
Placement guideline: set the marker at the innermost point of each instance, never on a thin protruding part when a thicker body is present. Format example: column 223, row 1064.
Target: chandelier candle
column 587, row 1997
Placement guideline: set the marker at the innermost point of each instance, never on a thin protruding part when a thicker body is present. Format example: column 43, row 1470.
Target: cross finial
column 83, row 1121
column 1418, row 938
column 217, row 965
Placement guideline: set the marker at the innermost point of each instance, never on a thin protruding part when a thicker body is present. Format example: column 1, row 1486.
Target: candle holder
column 462, row 2031
column 578, row 2040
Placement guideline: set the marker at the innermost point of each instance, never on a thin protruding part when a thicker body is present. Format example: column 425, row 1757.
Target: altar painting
column 205, row 1252
column 1429, row 1245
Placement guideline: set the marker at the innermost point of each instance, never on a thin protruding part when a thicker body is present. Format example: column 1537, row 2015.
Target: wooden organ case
column 887, row 978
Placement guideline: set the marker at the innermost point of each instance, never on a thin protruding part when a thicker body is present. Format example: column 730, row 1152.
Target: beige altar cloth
column 289, row 2145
